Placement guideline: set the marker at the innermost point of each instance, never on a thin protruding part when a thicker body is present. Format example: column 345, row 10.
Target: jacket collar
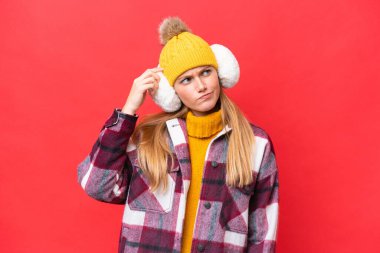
column 178, row 135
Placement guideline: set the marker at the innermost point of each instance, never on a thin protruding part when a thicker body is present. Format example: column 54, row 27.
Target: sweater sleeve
column 263, row 207
column 105, row 172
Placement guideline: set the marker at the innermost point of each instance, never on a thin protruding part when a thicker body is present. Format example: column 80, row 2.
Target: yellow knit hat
column 182, row 49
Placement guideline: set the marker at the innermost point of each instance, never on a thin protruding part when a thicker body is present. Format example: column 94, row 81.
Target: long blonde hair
column 150, row 137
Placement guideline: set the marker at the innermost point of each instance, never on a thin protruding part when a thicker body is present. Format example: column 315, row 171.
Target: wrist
column 128, row 110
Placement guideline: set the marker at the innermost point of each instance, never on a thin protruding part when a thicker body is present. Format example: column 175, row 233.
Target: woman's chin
column 204, row 110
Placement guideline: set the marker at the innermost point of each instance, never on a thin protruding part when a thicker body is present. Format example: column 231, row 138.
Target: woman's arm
column 106, row 171
column 104, row 174
column 263, row 208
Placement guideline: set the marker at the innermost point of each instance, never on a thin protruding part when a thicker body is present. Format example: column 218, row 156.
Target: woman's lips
column 206, row 96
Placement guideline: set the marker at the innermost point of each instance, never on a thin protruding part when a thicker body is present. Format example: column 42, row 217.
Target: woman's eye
column 183, row 80
column 207, row 71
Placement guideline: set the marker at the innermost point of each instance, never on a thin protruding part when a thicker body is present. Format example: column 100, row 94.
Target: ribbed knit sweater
column 200, row 131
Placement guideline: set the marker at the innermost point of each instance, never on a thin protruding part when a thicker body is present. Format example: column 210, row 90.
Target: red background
column 309, row 77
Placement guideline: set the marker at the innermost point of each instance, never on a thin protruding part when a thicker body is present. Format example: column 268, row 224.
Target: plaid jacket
column 228, row 219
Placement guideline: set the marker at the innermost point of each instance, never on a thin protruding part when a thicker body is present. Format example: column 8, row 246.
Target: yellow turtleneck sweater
column 200, row 132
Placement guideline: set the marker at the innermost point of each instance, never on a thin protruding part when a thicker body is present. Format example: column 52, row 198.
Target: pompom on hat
column 184, row 50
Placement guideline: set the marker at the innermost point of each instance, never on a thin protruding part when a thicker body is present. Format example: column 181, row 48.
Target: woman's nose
column 200, row 85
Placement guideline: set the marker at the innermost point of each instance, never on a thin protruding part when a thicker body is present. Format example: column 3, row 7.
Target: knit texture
column 200, row 131
column 183, row 52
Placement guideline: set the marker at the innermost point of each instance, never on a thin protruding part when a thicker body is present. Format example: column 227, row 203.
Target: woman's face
column 198, row 89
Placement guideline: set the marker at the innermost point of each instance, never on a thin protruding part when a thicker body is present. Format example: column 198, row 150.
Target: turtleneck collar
column 204, row 126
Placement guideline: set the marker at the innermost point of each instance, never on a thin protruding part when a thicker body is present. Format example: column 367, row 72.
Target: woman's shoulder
column 258, row 131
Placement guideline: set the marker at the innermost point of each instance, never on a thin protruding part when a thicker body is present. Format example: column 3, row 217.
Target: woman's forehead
column 193, row 70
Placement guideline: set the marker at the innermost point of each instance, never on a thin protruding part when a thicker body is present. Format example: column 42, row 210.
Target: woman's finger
column 153, row 90
column 151, row 74
column 153, row 70
column 150, row 79
column 156, row 76
column 147, row 86
column 157, row 69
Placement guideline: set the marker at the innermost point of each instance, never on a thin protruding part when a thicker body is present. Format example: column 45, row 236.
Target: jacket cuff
column 125, row 122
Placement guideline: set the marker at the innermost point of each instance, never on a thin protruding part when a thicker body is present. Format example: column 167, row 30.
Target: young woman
column 197, row 177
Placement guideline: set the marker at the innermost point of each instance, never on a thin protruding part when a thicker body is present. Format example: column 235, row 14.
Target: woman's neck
column 204, row 126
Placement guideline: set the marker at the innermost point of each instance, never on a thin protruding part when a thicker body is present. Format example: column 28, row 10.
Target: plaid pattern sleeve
column 105, row 173
column 263, row 206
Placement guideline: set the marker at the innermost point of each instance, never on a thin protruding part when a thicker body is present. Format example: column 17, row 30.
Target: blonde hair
column 153, row 150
